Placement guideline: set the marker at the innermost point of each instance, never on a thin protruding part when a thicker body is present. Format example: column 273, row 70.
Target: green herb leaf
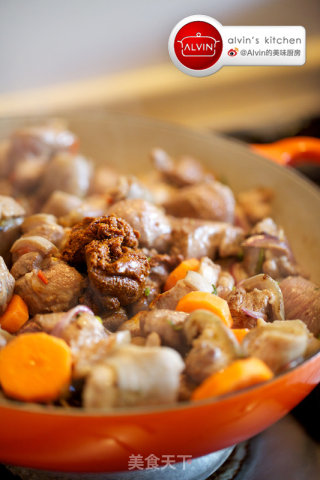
column 214, row 289
column 147, row 292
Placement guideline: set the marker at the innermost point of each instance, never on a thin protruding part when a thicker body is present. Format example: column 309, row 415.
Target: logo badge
column 195, row 45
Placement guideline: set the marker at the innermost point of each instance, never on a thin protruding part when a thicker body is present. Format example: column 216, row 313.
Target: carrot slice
column 240, row 333
column 35, row 367
column 239, row 374
column 15, row 316
column 206, row 301
column 180, row 272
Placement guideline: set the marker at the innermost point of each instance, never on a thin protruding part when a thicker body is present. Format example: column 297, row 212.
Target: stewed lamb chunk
column 117, row 269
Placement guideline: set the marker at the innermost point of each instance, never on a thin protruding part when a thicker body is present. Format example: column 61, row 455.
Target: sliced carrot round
column 206, row 301
column 15, row 316
column 239, row 374
column 180, row 272
column 35, row 367
column 240, row 333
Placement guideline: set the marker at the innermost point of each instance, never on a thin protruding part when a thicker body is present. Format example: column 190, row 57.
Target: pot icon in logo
column 198, row 46
column 195, row 45
column 233, row 52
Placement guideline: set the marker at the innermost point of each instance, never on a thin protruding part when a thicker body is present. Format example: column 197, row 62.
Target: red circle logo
column 198, row 45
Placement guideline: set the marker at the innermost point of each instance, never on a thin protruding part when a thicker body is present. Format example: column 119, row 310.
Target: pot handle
column 291, row 151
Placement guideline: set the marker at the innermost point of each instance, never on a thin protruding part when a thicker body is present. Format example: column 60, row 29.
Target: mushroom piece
column 11, row 218
column 265, row 282
column 279, row 343
column 168, row 324
column 132, row 375
column 214, row 345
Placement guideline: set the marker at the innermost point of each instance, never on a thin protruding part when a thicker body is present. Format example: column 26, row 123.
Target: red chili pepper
column 42, row 277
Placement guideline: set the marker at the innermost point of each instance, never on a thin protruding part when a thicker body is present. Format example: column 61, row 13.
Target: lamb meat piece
column 33, row 243
column 92, row 206
column 27, row 173
column 193, row 238
column 161, row 265
column 278, row 343
column 119, row 273
column 103, row 179
column 42, row 322
column 100, row 228
column 116, row 268
column 9, row 208
column 68, row 173
column 279, row 267
column 43, row 225
column 132, row 375
column 207, row 201
column 41, row 141
column 115, row 319
column 302, row 301
column 61, row 203
column 6, row 286
column 26, row 263
column 48, row 321
column 186, row 171
column 151, row 291
column 242, row 303
column 31, row 326
column 53, row 232
column 169, row 299
column 128, row 187
column 95, row 352
column 256, row 203
column 192, row 282
column 167, row 324
column 61, row 293
column 150, row 221
column 82, row 332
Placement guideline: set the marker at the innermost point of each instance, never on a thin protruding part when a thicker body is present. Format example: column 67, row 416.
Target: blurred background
column 103, row 53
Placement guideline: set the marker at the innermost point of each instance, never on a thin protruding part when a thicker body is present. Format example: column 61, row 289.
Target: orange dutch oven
column 75, row 440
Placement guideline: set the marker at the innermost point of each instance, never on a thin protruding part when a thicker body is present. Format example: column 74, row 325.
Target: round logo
column 195, row 45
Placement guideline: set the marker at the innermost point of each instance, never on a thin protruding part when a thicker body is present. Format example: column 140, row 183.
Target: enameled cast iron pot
column 76, row 440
